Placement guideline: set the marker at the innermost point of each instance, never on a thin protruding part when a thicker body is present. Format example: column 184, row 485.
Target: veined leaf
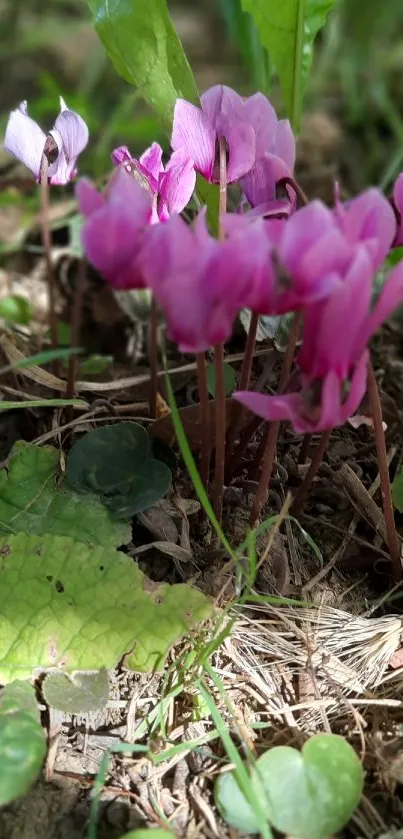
column 288, row 30
column 143, row 45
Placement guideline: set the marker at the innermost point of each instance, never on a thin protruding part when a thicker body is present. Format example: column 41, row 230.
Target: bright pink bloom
column 275, row 165
column 172, row 185
column 289, row 264
column 26, row 141
column 333, row 359
column 368, row 220
column 196, row 281
column 249, row 127
column 397, row 202
column 113, row 232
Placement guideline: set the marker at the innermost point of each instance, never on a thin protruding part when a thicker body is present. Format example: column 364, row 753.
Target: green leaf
column 16, row 309
column 22, row 741
column 76, row 694
column 233, row 806
column 41, row 403
column 288, row 30
column 116, row 463
column 397, row 492
column 229, row 378
column 142, row 43
column 149, row 833
column 95, row 364
column 310, row 794
column 31, row 501
column 43, row 357
column 67, row 606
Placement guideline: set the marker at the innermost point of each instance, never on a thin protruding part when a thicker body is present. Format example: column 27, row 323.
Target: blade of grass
column 43, row 403
column 41, row 358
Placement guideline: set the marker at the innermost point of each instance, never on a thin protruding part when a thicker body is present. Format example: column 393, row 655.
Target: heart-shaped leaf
column 310, row 794
column 34, row 500
column 116, row 463
column 79, row 693
column 22, row 740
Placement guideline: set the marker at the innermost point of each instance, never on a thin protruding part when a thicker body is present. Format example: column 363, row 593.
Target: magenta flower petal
column 390, row 298
column 259, row 113
column 193, row 132
column 177, row 183
column 151, row 160
column 271, row 408
column 121, row 155
column 398, row 207
column 284, row 143
column 24, row 139
column 240, row 139
column 111, row 254
column 358, row 386
column 88, row 197
column 259, row 184
column 304, row 229
column 220, row 102
column 369, row 219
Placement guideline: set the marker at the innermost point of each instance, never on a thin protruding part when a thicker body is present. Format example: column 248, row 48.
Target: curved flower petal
column 151, row 160
column 259, row 184
column 272, row 408
column 88, row 197
column 125, row 190
column 358, row 386
column 302, row 231
column 398, row 207
column 219, row 102
column 284, row 143
column 121, row 155
column 113, row 254
column 259, row 113
column 73, row 131
column 240, row 139
column 369, row 219
column 390, row 298
column 193, row 132
column 24, row 139
column 177, row 183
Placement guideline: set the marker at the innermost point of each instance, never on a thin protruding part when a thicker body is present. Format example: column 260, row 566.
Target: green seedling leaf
column 33, row 500
column 397, row 492
column 229, row 379
column 80, row 693
column 68, row 606
column 95, row 364
column 145, row 49
column 310, row 794
column 233, row 806
column 287, row 30
column 22, row 741
column 116, row 463
column 16, row 309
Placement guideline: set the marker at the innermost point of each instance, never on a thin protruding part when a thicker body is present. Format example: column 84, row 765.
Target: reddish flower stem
column 376, row 410
column 274, row 427
column 47, row 247
column 76, row 320
column 220, row 418
column 246, row 370
column 204, row 413
column 153, row 356
column 303, row 492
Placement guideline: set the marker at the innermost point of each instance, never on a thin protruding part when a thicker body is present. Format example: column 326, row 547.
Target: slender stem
column 76, row 321
column 305, row 487
column 153, row 356
column 304, row 450
column 47, row 247
column 272, row 434
column 246, row 370
column 220, row 416
column 376, row 410
column 204, row 413
column 247, row 435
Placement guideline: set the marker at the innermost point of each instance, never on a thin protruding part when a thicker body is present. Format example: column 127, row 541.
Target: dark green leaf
column 142, row 43
column 115, row 462
column 397, row 492
column 288, row 30
column 79, row 693
column 229, row 378
column 22, row 740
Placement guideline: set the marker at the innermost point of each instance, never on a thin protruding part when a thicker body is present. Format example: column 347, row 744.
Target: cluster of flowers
column 273, row 258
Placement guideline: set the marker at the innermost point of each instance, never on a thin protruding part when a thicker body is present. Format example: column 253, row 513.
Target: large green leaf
column 80, row 693
column 142, row 43
column 67, row 606
column 287, row 29
column 22, row 740
column 32, row 500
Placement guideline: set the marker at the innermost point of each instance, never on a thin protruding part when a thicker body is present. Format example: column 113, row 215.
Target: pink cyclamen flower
column 196, row 281
column 397, row 202
column 249, row 127
column 112, row 234
column 333, row 360
column 369, row 220
column 172, row 185
column 289, row 264
column 26, row 141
